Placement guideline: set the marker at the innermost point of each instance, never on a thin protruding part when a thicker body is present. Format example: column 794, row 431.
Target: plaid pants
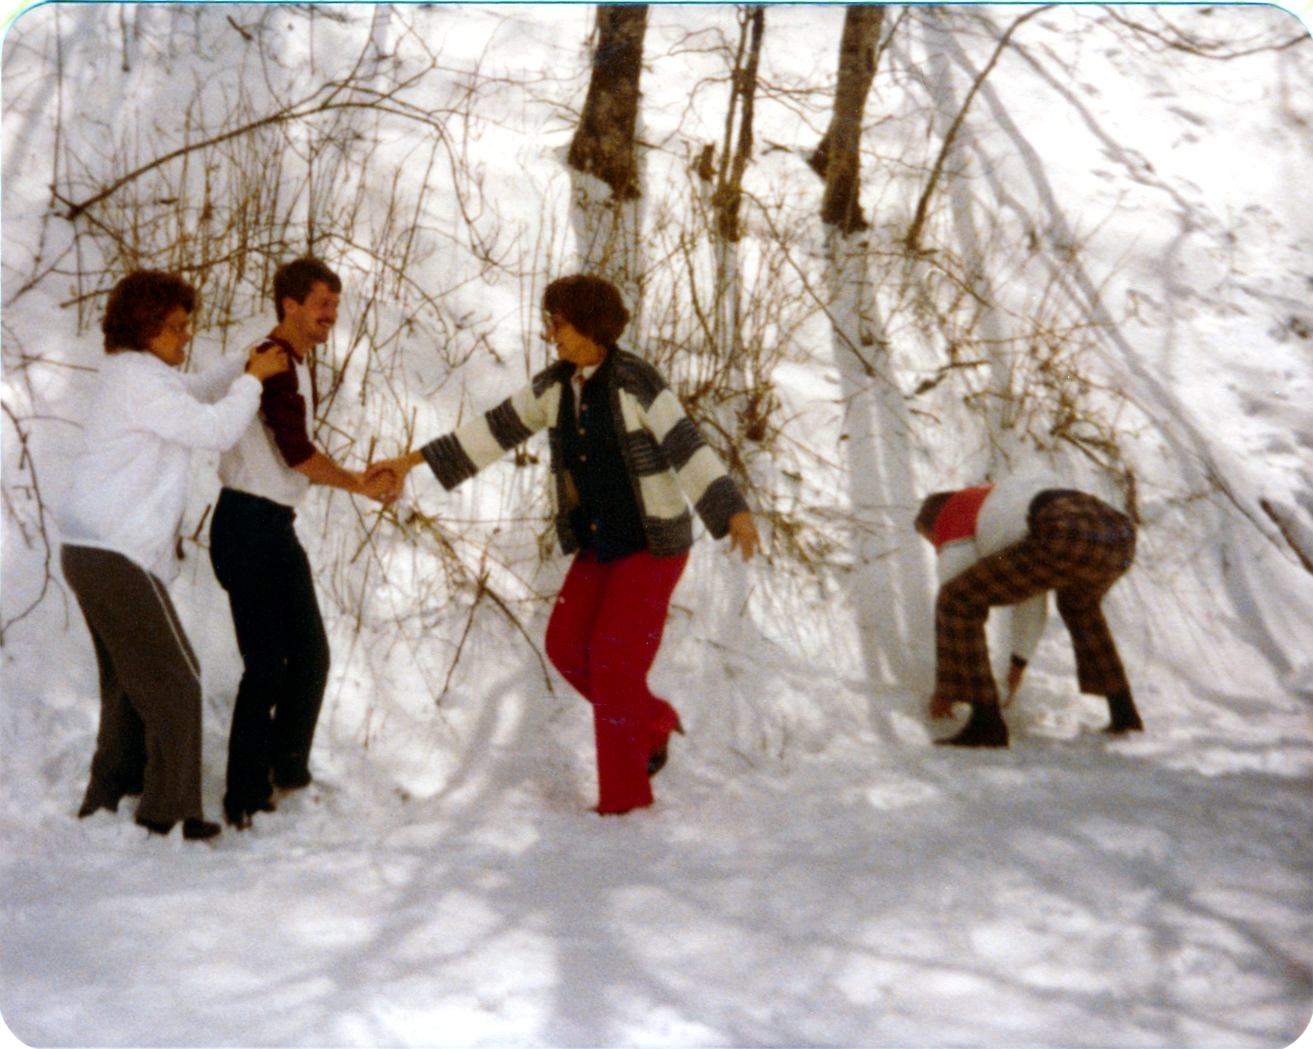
column 1078, row 546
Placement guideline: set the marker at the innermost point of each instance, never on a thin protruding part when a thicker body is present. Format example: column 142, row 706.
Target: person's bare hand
column 267, row 363
column 743, row 534
column 385, row 466
column 381, row 483
column 400, row 466
column 940, row 707
column 1015, row 674
column 393, row 471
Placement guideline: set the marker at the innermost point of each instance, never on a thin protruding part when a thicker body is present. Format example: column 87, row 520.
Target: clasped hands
column 385, row 479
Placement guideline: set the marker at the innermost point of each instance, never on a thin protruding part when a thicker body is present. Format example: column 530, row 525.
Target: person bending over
column 1010, row 544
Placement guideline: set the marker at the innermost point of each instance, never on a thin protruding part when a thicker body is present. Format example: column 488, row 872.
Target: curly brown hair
column 138, row 306
column 590, row 305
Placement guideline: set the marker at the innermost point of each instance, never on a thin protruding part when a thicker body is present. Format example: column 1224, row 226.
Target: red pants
column 603, row 637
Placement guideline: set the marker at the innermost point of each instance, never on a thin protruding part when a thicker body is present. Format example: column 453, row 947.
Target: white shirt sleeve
column 214, row 382
column 1028, row 619
column 955, row 558
column 175, row 414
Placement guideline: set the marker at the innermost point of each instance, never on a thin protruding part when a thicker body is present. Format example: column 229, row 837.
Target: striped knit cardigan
column 666, row 456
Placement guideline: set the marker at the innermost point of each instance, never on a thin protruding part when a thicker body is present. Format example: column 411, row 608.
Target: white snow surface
column 814, row 871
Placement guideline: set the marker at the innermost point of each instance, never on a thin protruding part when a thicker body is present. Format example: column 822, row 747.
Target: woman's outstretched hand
column 380, row 483
column 266, row 364
column 743, row 534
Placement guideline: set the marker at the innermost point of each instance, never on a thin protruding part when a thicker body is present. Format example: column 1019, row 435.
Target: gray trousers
column 149, row 741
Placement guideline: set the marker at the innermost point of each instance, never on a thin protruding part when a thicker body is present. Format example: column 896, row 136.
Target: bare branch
column 913, row 239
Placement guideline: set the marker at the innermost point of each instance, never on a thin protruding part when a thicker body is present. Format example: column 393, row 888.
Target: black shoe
column 239, row 816
column 985, row 728
column 1125, row 718
column 193, row 829
column 657, row 759
column 292, row 780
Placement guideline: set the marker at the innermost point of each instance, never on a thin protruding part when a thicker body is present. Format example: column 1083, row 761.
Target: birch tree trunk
column 890, row 582
column 1004, row 447
column 606, row 173
column 722, row 184
column 727, row 190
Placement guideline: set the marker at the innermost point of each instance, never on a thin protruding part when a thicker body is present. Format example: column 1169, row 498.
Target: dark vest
column 607, row 519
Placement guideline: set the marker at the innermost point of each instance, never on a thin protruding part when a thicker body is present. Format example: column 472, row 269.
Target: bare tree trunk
column 603, row 144
column 837, row 158
column 1004, row 445
column 890, row 583
column 723, row 192
column 727, row 197
column 603, row 157
column 721, row 180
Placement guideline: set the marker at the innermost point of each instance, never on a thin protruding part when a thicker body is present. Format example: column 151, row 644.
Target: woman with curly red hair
column 119, row 527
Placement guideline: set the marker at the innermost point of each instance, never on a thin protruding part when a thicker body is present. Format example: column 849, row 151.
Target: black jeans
column 259, row 561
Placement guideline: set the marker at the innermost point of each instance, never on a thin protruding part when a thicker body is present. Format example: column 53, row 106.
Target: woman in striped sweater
column 626, row 462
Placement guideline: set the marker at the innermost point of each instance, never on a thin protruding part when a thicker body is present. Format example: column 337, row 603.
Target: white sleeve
column 698, row 470
column 211, row 384
column 487, row 437
column 172, row 413
column 1028, row 619
column 955, row 558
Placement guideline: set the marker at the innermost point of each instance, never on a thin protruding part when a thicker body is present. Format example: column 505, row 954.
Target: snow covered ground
column 815, row 871
column 1062, row 893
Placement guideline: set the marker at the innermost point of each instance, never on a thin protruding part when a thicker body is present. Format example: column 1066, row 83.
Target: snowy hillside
column 814, row 871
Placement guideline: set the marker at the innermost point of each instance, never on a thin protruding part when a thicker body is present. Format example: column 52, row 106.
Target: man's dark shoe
column 193, row 829
column 161, row 829
column 985, row 728
column 292, row 780
column 239, row 816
